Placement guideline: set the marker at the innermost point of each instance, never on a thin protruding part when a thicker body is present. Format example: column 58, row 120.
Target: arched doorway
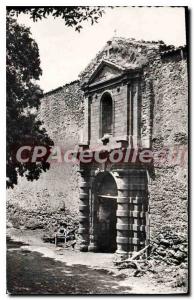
column 105, row 217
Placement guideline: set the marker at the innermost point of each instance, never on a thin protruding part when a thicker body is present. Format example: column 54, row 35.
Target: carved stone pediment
column 105, row 71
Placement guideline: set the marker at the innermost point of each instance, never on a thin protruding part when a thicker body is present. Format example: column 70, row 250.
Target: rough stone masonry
column 132, row 95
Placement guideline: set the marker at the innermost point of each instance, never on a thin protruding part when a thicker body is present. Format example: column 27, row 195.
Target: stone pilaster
column 86, row 130
column 122, row 216
column 93, row 222
column 135, row 115
column 131, row 211
column 84, row 187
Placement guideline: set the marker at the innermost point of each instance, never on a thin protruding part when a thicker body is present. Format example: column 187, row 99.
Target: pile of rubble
column 170, row 247
column 166, row 256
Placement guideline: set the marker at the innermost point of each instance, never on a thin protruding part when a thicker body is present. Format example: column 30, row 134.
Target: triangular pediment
column 105, row 71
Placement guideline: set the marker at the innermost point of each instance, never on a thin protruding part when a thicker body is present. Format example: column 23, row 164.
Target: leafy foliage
column 23, row 100
column 23, row 94
column 73, row 16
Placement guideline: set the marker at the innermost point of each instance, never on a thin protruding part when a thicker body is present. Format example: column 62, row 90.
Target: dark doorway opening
column 106, row 214
column 107, row 224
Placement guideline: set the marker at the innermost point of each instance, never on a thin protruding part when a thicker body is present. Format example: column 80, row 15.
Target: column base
column 122, row 254
column 83, row 248
column 92, row 248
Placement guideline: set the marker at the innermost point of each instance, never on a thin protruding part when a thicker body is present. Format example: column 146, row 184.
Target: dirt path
column 38, row 268
column 31, row 273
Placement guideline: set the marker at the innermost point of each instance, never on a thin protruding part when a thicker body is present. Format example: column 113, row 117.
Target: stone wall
column 168, row 187
column 57, row 189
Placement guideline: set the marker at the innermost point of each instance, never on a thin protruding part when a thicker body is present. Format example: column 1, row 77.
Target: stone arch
column 104, row 207
column 103, row 175
column 128, row 188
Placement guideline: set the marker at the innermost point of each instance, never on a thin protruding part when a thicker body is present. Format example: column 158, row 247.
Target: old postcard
column 97, row 146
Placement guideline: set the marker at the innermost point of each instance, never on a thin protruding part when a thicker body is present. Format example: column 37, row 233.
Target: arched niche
column 106, row 115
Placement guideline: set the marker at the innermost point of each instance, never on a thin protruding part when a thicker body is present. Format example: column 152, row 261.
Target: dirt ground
column 97, row 267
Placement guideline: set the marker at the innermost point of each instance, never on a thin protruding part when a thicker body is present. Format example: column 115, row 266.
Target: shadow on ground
column 30, row 273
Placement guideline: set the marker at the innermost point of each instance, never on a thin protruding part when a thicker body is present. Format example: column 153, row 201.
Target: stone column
column 84, row 187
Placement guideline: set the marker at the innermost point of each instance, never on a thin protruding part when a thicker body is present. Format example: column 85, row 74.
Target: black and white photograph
column 97, row 195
